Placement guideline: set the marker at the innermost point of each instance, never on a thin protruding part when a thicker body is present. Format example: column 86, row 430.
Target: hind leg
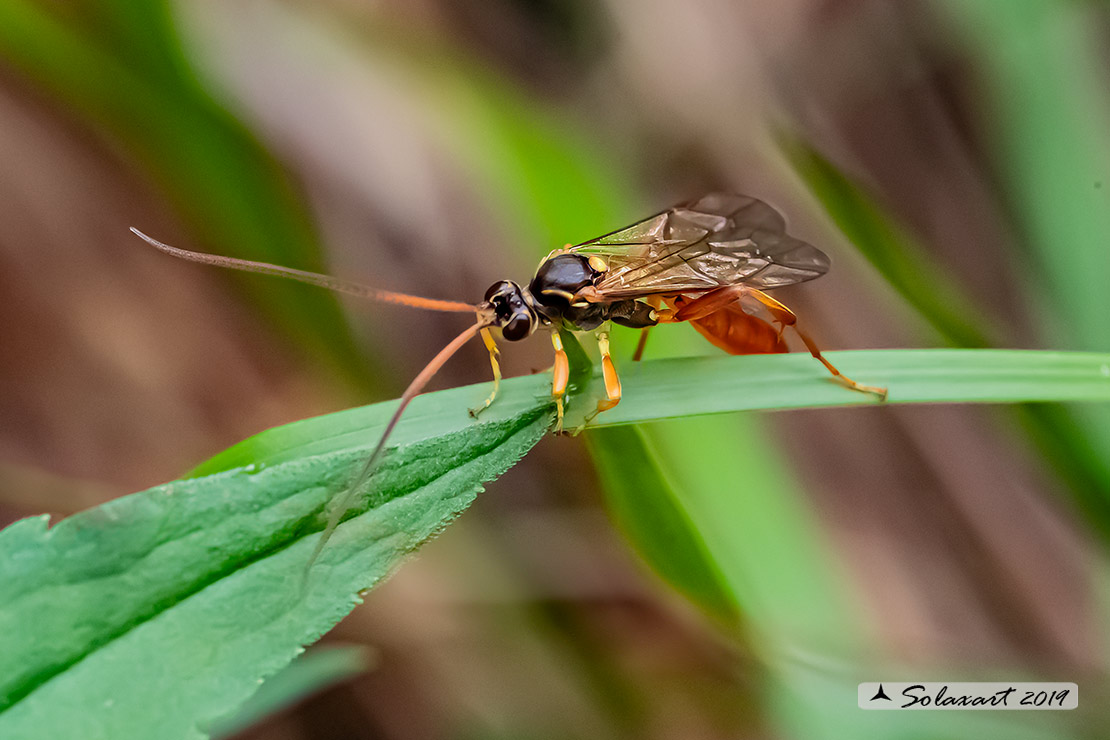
column 786, row 317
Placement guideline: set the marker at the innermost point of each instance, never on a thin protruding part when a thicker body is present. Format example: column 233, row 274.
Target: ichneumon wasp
column 707, row 262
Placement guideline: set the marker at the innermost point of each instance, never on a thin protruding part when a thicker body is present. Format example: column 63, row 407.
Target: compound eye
column 517, row 328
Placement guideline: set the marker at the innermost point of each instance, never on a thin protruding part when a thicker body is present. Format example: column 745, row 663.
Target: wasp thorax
column 511, row 312
column 560, row 278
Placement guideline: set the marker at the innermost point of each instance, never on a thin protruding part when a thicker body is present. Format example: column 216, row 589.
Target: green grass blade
column 316, row 670
column 193, row 590
column 650, row 513
column 679, row 388
column 140, row 29
column 1045, row 111
column 686, row 387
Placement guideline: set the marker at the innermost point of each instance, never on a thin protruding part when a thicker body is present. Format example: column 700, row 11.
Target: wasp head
column 511, row 309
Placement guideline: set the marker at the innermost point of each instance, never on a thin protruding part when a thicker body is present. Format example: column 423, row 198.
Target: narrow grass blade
column 686, row 387
column 316, row 670
column 651, row 514
column 676, row 388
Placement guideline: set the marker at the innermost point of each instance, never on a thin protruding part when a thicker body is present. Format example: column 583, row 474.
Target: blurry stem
column 219, row 178
column 887, row 246
column 1045, row 111
column 650, row 512
column 596, row 660
column 1065, row 445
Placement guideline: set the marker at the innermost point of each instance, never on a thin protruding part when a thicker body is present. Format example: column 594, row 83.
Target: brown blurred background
column 395, row 132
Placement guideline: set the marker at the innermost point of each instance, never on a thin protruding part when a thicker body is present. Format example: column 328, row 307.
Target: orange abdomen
column 740, row 333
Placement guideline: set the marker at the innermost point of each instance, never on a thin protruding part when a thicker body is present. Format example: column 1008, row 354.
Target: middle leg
column 560, row 377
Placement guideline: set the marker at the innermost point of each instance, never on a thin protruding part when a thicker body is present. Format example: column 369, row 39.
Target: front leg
column 494, row 354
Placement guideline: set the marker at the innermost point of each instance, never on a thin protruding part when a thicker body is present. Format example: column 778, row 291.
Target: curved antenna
column 312, row 278
column 343, row 503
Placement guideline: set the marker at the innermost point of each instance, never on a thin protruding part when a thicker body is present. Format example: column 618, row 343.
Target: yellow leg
column 786, row 317
column 559, row 378
column 612, row 381
column 609, row 374
column 494, row 354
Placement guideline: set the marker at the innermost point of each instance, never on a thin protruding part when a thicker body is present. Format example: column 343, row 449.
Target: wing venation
column 718, row 240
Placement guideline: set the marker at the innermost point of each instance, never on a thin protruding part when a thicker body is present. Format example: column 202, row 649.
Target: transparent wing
column 718, row 240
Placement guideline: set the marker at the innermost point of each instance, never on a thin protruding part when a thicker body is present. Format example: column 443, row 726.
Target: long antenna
column 312, row 278
column 343, row 503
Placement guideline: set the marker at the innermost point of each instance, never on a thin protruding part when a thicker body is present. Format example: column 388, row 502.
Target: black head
column 511, row 311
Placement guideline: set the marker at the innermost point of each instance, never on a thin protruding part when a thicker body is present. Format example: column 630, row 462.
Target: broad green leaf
column 428, row 416
column 156, row 614
column 109, row 611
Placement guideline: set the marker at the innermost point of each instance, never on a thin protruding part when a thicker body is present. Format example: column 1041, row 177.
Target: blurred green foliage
column 119, row 67
column 312, row 672
column 712, row 504
column 1077, row 455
